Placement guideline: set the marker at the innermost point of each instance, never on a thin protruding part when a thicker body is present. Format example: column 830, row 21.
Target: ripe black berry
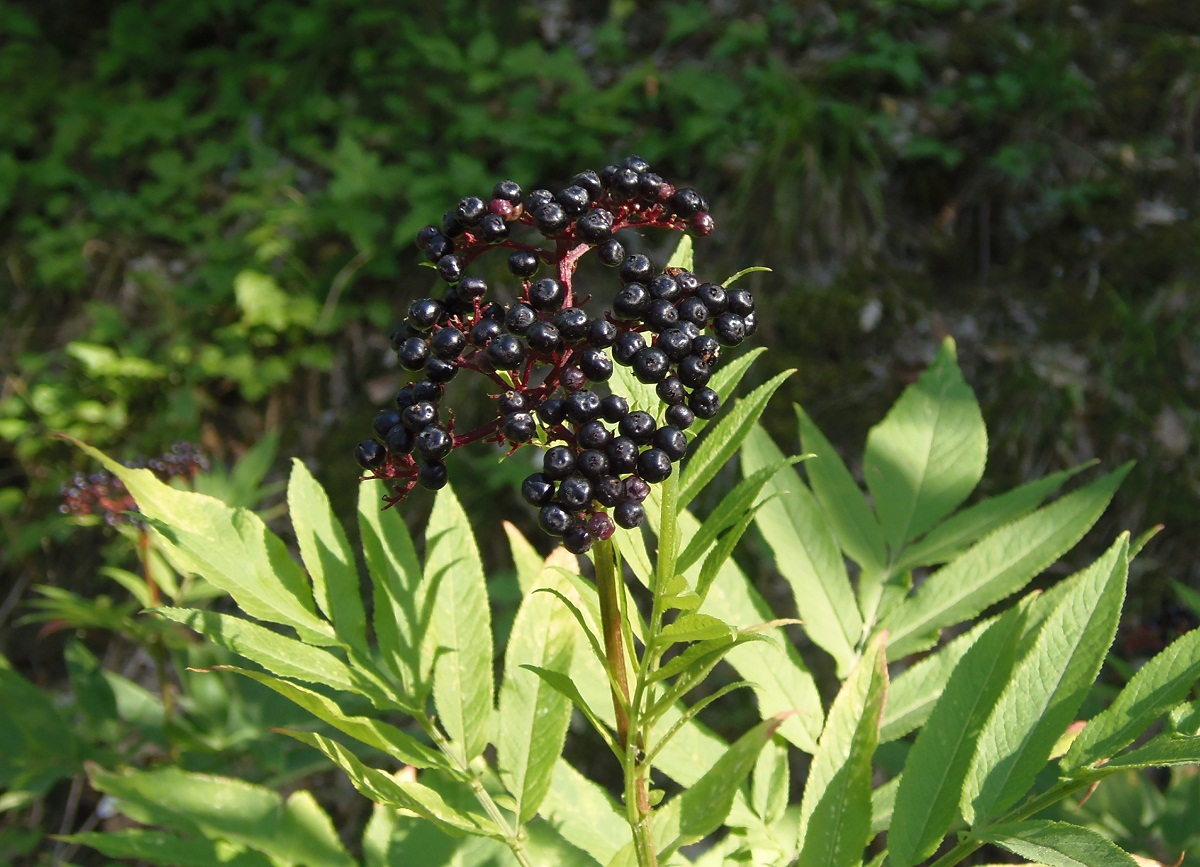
column 693, row 310
column 433, row 476
column 573, row 199
column 543, row 337
column 426, row 390
column 593, row 463
column 413, row 353
column 680, row 416
column 675, row 343
column 551, row 219
column 510, row 402
column 448, row 343
column 509, row 191
column 537, row 198
column 425, row 235
column 575, row 491
column 558, row 462
column 450, row 268
column 671, row 391
column 437, row 247
column 519, row 318
column 654, row 465
column 590, row 181
column 546, row 294
column 636, row 489
column 714, row 297
column 613, row 407
column 741, row 301
column 649, row 186
column 505, row 352
column 470, row 211
column 554, row 519
column 638, row 426
column 582, row 406
column 671, row 440
column 730, row 329
column 537, row 489
column 624, row 183
column 601, row 333
column 419, row 415
column 595, row 226
column 552, row 410
column 434, row 442
column 666, row 287
column 572, row 324
column 472, row 287
column 751, row 320
column 370, row 454
column 593, row 435
column 687, row 202
column 399, row 440
column 519, row 427
column 694, row 372
column 485, row 330
column 493, row 229
column 631, row 302
column 523, row 263
column 636, row 269
column 608, row 491
column 661, row 315
column 627, row 346
column 597, row 366
column 439, row 370
column 611, row 253
column 629, row 515
column 651, row 365
column 704, row 402
column 424, row 313
column 707, row 348
column 622, row 455
column 636, row 163
column 386, row 420
column 573, row 379
column 577, row 540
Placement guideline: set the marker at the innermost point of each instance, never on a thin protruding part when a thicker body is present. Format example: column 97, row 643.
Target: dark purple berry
column 741, row 301
column 671, row 391
column 448, row 343
column 493, row 229
column 627, row 346
column 426, row 390
column 551, row 219
column 680, row 416
column 424, row 313
column 595, row 226
column 590, row 181
column 519, row 427
column 523, row 263
column 693, row 310
column 671, row 440
column 636, row 489
column 413, row 353
column 537, row 489
column 470, row 211
column 624, row 183
column 661, row 315
column 439, row 370
column 608, row 491
column 636, row 163
column 611, row 253
column 419, row 415
column 573, row 379
column 543, row 337
column 386, row 420
column 639, row 426
column 425, row 235
column 472, row 287
column 583, row 406
column 631, row 302
column 701, row 225
column 510, row 402
column 437, row 247
column 572, row 324
column 651, row 365
column 575, row 492
column 552, row 411
column 558, row 462
column 577, row 540
column 708, row 348
column 434, row 443
column 485, row 330
column 370, row 454
column 687, row 203
column 519, row 318
column 450, row 268
column 593, row 435
column 654, row 465
column 613, row 407
column 694, row 372
column 629, row 515
column 505, row 352
column 573, row 199
column 399, row 440
column 546, row 294
column 600, row 526
column 714, row 298
column 636, row 269
column 730, row 329
column 622, row 455
column 554, row 519
column 406, row 396
column 593, row 463
column 601, row 333
column 649, row 186
column 675, row 343
column 704, row 402
column 537, row 198
column 666, row 287
column 433, row 476
column 451, row 227
column 509, row 191
column 751, row 320
column 597, row 366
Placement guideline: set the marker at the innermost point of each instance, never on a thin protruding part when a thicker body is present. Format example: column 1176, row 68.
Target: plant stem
column 607, row 586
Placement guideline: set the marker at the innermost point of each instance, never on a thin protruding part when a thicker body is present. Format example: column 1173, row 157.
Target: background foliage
column 206, row 210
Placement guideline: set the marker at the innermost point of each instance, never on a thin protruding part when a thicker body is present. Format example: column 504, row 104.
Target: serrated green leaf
column 170, row 850
column 400, row 615
column 721, row 553
column 998, row 565
column 225, row 808
column 770, row 782
column 277, row 653
column 1161, row 683
column 461, row 627
column 850, row 516
column 806, row 554
column 883, row 804
column 704, row 806
column 383, row 788
column 584, row 813
column 231, row 548
column 727, row 378
column 386, row 738
column 931, row 784
column 953, row 536
column 1047, row 687
column 1166, row 749
column 327, row 555
column 696, row 627
column 729, row 512
column 928, row 453
column 533, row 716
column 1057, row 844
column 566, row 687
column 835, row 811
column 780, row 680
column 720, row 444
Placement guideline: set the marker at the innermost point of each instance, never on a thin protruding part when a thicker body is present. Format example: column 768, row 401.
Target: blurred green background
column 207, row 206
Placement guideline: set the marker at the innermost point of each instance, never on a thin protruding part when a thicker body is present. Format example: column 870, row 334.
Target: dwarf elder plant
column 970, row 686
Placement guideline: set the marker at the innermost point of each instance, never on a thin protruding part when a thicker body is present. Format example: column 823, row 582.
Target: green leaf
column 160, row 848
column 704, row 805
column 461, row 627
column 277, row 653
column 386, row 738
column 931, row 784
column 781, row 681
column 225, row 808
column 950, row 538
column 696, row 627
column 683, row 255
column 1159, row 685
column 850, row 516
column 835, row 812
column 720, row 444
column 584, row 813
column 565, row 686
column 1047, row 687
column 402, row 794
column 400, row 615
column 806, row 554
column 327, row 555
column 526, row 559
column 1166, row 749
column 999, row 564
column 533, row 716
column 727, row 378
column 914, row 692
column 1057, row 844
column 770, row 782
column 231, row 548
column 740, row 274
column 729, row 511
column 928, row 453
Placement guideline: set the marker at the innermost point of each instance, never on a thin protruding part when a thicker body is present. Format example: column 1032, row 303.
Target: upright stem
column 607, row 586
column 158, row 651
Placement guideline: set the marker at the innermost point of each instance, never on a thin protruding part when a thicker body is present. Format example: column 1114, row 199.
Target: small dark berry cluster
column 105, row 494
column 550, row 360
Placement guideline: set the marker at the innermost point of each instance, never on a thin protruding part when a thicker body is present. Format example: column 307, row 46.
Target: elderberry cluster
column 550, row 360
column 103, row 493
